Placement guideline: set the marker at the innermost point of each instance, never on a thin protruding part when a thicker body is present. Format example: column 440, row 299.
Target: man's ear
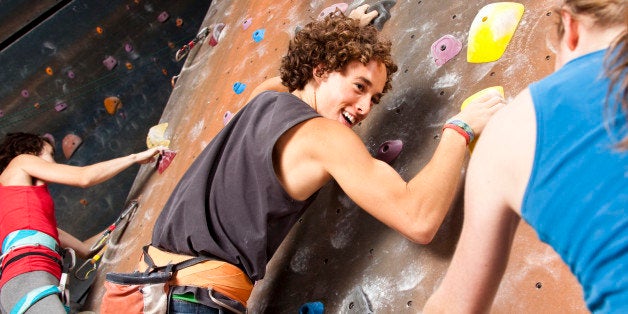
column 571, row 35
column 319, row 74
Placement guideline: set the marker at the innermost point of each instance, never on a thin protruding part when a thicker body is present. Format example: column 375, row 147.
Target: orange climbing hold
column 49, row 71
column 112, row 104
column 99, row 30
column 70, row 143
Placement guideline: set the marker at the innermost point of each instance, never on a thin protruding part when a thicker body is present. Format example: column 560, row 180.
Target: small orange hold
column 49, row 71
column 171, row 45
column 83, row 202
column 179, row 22
column 164, row 71
column 36, row 105
column 99, row 30
column 129, row 65
column 112, row 104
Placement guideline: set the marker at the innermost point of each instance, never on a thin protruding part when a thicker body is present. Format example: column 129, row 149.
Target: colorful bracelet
column 461, row 127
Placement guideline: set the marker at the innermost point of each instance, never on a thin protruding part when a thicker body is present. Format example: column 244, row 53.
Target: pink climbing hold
column 25, row 93
column 445, row 48
column 1, row 113
column 163, row 16
column 110, row 62
column 61, row 106
column 50, row 138
column 70, row 143
column 332, row 9
column 227, row 117
column 213, row 41
column 165, row 159
column 247, row 23
column 389, row 150
column 128, row 47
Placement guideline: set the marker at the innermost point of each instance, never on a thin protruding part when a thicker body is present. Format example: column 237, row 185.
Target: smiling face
column 347, row 96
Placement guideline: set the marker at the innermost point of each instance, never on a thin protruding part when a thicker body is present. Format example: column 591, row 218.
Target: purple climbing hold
column 110, row 62
column 227, row 117
column 25, row 93
column 50, row 138
column 247, row 23
column 389, row 150
column 128, row 47
column 71, row 74
column 1, row 113
column 60, row 106
column 445, row 48
column 342, row 7
column 163, row 16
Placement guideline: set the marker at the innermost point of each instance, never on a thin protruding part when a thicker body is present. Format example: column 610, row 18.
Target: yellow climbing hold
column 491, row 31
column 481, row 93
column 112, row 104
column 156, row 136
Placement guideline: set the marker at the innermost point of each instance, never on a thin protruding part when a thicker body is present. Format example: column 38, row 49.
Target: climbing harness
column 89, row 266
column 181, row 53
column 33, row 238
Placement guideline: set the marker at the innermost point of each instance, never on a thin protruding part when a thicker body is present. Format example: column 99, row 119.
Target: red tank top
column 27, row 207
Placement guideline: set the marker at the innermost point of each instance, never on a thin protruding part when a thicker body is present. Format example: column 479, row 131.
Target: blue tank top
column 577, row 194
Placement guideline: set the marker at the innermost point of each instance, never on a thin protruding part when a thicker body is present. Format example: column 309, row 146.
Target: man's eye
column 360, row 87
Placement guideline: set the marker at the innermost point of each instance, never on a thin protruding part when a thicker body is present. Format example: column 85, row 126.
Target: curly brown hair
column 332, row 43
column 19, row 143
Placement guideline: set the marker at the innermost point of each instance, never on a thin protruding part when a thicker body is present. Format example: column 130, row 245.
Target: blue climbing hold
column 238, row 87
column 258, row 35
column 312, row 308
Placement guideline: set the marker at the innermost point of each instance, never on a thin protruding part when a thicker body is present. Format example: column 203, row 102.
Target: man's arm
column 496, row 180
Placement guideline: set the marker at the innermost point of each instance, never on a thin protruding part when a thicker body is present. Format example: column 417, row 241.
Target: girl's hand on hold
column 480, row 110
column 148, row 155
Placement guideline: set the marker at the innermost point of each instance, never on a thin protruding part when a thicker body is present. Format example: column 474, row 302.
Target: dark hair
column 19, row 143
column 333, row 43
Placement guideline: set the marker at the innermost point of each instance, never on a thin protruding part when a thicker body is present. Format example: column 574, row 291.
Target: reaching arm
column 69, row 241
column 30, row 166
column 496, row 180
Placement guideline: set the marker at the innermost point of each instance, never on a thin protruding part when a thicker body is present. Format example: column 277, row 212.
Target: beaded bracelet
column 462, row 128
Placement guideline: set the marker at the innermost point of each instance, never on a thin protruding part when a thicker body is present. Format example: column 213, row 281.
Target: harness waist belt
column 219, row 276
column 26, row 237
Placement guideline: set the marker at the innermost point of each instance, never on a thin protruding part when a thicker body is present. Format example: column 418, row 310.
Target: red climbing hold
column 70, row 143
column 213, row 41
column 165, row 159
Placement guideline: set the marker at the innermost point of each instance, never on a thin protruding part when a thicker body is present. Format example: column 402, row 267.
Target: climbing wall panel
column 337, row 254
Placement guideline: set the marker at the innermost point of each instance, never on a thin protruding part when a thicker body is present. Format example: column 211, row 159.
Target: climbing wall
column 337, row 254
column 94, row 75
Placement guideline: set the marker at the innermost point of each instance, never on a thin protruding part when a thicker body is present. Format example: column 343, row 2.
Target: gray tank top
column 229, row 204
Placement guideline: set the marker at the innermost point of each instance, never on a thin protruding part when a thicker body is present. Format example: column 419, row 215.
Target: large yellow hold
column 491, row 31
column 156, row 136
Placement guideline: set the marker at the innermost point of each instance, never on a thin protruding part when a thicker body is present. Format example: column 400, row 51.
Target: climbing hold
column 171, row 45
column 129, row 66
column 25, row 93
column 110, row 62
column 258, row 35
column 312, row 308
column 383, row 12
column 1, row 113
column 112, row 104
column 491, row 31
column 389, row 150
column 50, row 138
column 49, row 71
column 99, row 30
column 342, row 7
column 156, row 136
column 36, row 105
column 247, row 23
column 173, row 80
column 164, row 160
column 213, row 41
column 360, row 301
column 179, row 22
column 71, row 74
column 83, row 202
column 164, row 71
column 128, row 47
column 61, row 106
column 238, row 87
column 481, row 93
column 227, row 117
column 163, row 16
column 445, row 48
column 69, row 144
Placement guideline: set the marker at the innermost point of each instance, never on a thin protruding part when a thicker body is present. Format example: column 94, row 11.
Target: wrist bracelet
column 464, row 126
column 458, row 129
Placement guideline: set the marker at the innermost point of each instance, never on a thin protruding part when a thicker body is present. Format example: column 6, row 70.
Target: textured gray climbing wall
column 337, row 254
